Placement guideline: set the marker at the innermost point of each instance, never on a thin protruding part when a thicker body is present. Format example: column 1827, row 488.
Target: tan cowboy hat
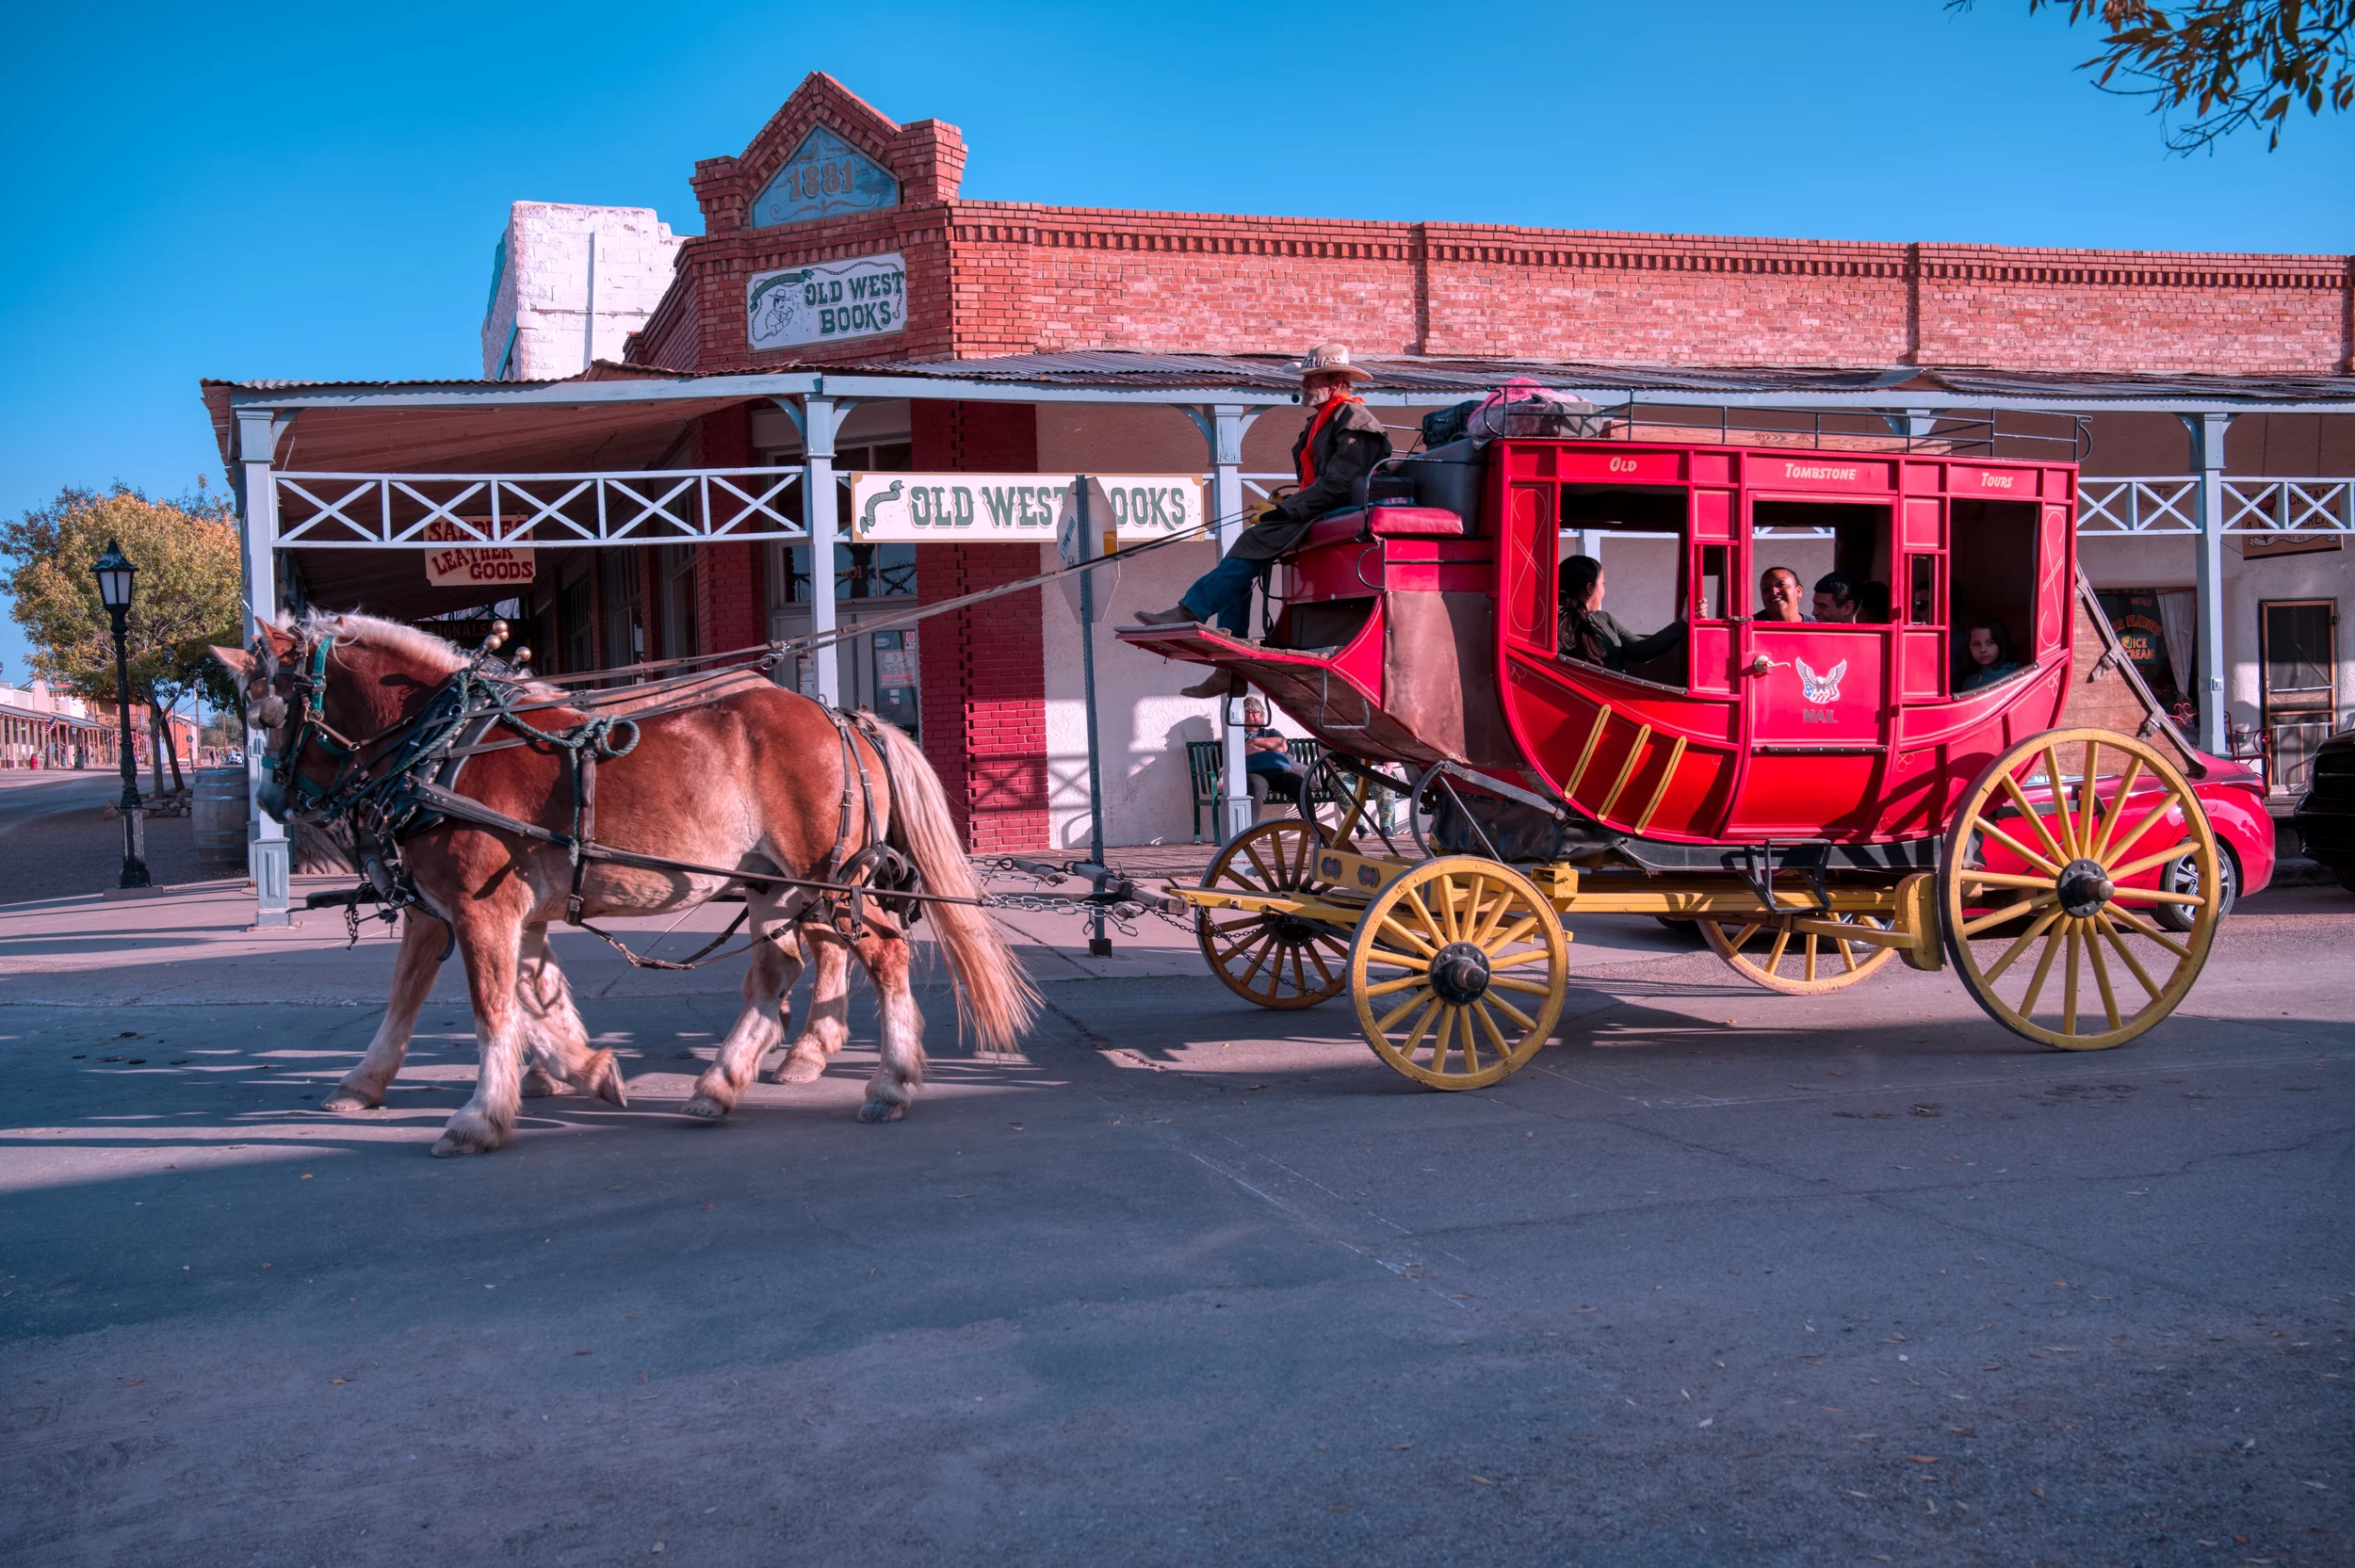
column 1330, row 358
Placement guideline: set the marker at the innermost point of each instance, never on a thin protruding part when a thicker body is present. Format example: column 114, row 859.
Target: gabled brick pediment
column 926, row 159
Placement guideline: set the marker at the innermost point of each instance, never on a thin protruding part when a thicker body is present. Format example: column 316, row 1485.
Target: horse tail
column 993, row 990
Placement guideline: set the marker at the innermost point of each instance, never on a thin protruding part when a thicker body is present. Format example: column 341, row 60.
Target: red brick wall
column 731, row 610
column 997, row 278
column 984, row 670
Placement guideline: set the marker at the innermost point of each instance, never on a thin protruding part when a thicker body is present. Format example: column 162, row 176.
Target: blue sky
column 315, row 192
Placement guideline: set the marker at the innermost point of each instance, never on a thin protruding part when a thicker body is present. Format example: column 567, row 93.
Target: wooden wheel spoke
column 1847, row 959
column 2124, row 843
column 1422, row 947
column 2044, row 968
column 2089, row 816
column 1439, row 932
column 1746, row 932
column 1782, row 940
column 2069, row 979
column 1489, row 1023
column 2026, row 854
column 2009, row 912
column 1525, row 1020
column 1243, row 945
column 1267, row 879
column 2005, row 879
column 1390, row 1019
column 2134, row 868
column 1521, row 931
column 1810, row 958
column 2101, row 977
column 1388, row 988
column 1423, row 1025
column 2158, row 895
column 1318, row 959
column 2034, row 817
column 1527, row 988
column 2140, row 926
column 2102, row 922
column 1510, row 961
column 2068, row 829
column 1995, row 971
column 1439, row 1045
column 2118, row 806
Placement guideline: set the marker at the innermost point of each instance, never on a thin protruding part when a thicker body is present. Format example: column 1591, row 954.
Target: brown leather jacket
column 1351, row 442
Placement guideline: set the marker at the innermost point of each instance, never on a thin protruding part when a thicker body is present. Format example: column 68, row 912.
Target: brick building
column 842, row 277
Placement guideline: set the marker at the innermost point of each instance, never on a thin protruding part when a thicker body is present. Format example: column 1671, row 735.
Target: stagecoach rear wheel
column 2052, row 868
column 1770, row 950
column 1275, row 961
column 1458, row 972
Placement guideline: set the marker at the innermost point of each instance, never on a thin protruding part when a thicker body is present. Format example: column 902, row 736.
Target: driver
column 1341, row 444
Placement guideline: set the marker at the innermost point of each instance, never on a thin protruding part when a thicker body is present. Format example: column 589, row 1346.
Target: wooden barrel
column 220, row 818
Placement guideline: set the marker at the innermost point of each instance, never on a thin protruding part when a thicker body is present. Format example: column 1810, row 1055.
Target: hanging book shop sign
column 474, row 566
column 1018, row 509
column 826, row 303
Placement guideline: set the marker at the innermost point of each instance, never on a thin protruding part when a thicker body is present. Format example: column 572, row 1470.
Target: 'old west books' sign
column 826, row 302
column 1018, row 509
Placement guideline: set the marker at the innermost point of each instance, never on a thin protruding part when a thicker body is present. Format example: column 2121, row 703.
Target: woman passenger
column 1591, row 636
column 1987, row 657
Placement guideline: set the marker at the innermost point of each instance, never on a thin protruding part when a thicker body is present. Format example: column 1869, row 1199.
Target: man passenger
column 1835, row 597
column 1341, row 444
column 1779, row 595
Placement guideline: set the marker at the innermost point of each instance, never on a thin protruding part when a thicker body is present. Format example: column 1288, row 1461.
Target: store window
column 676, row 564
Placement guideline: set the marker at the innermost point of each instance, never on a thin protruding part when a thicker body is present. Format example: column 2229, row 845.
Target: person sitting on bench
column 1591, row 636
column 1341, row 444
column 1267, row 755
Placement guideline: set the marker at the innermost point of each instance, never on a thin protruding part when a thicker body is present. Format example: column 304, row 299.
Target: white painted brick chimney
column 570, row 283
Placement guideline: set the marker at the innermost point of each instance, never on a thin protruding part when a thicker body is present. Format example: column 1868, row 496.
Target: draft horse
column 674, row 796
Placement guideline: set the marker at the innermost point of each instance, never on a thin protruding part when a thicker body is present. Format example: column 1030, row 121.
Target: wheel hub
column 2085, row 887
column 1289, row 929
column 1459, row 973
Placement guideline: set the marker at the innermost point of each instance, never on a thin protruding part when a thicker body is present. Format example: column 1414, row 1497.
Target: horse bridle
column 308, row 726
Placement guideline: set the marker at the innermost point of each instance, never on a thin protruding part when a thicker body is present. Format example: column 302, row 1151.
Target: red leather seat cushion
column 1416, row 522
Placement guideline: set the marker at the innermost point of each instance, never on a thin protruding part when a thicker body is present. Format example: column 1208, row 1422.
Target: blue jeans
column 1223, row 594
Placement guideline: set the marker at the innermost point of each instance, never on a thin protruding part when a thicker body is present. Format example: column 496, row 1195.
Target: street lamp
column 115, row 576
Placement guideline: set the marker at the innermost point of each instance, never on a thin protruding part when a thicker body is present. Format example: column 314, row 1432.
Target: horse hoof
column 797, row 1069
column 348, row 1100
column 603, row 1079
column 445, row 1146
column 705, row 1109
column 468, row 1135
column 880, row 1110
column 538, row 1085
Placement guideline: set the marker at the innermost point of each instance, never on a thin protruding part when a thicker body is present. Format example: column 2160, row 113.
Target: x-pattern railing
column 2169, row 504
column 373, row 512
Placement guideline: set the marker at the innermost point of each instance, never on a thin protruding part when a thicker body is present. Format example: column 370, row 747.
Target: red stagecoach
column 1819, row 797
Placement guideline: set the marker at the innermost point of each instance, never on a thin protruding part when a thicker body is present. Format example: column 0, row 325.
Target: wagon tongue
column 2085, row 887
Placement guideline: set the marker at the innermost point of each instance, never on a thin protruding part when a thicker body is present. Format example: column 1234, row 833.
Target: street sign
column 1013, row 508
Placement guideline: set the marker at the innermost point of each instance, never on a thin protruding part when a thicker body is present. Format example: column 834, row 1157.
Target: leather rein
column 378, row 788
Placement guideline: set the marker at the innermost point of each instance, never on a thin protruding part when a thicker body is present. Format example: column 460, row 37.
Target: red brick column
column 984, row 670
column 731, row 608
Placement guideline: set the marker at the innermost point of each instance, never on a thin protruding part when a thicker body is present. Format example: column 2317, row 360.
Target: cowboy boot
column 1178, row 617
column 1220, row 684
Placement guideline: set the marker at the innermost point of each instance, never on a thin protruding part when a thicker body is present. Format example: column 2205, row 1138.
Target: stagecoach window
column 1712, row 602
column 1991, row 576
column 1922, row 595
column 1795, row 534
column 1639, row 533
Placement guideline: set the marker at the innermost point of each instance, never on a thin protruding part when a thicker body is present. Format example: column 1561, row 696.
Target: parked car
column 2325, row 816
column 2233, row 796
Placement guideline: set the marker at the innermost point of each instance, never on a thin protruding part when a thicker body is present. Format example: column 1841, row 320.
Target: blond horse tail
column 993, row 990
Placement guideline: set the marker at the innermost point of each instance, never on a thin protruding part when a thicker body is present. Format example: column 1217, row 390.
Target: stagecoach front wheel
column 1275, row 961
column 1458, row 972
column 2052, row 868
column 1775, row 951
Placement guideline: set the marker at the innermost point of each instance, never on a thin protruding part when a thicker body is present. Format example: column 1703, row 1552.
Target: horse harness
column 389, row 799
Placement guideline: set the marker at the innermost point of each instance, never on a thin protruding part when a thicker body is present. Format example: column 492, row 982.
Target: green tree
column 2233, row 64
column 188, row 596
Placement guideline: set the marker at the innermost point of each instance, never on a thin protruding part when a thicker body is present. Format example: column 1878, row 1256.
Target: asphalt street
column 1722, row 1277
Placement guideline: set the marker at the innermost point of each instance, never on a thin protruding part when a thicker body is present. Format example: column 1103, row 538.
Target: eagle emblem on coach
column 1823, row 687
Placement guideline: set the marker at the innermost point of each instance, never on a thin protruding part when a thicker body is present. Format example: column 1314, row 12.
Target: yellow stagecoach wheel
column 2034, row 896
column 1458, row 972
column 1769, row 950
column 1276, row 960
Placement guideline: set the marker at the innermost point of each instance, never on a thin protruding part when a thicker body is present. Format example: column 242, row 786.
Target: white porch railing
column 2169, row 504
column 669, row 505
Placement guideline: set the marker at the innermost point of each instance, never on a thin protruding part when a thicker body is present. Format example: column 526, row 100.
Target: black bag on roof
column 1441, row 425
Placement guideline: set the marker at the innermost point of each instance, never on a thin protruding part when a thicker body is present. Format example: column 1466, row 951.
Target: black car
column 2325, row 818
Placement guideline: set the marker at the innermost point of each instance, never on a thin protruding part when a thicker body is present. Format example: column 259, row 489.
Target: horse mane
column 444, row 657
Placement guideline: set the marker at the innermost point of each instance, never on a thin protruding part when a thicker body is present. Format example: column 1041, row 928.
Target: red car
column 2234, row 797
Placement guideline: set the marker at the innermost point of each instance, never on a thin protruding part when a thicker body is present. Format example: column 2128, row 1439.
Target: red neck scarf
column 1309, row 448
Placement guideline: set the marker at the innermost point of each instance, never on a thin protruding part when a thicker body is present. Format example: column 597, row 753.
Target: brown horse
column 756, row 779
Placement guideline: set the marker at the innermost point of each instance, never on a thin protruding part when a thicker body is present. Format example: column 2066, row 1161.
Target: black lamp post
column 115, row 577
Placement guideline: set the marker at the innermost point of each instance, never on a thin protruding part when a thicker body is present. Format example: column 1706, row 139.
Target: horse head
column 321, row 689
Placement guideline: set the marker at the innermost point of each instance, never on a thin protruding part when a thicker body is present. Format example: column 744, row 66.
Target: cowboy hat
column 1329, row 359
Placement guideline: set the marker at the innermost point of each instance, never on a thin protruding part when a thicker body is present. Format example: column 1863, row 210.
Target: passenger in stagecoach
column 1592, row 637
column 1779, row 592
column 1341, row 444
column 1835, row 597
column 1986, row 655
column 1873, row 603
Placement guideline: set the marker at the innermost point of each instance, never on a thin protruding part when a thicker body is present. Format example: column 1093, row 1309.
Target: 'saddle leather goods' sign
column 475, row 565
